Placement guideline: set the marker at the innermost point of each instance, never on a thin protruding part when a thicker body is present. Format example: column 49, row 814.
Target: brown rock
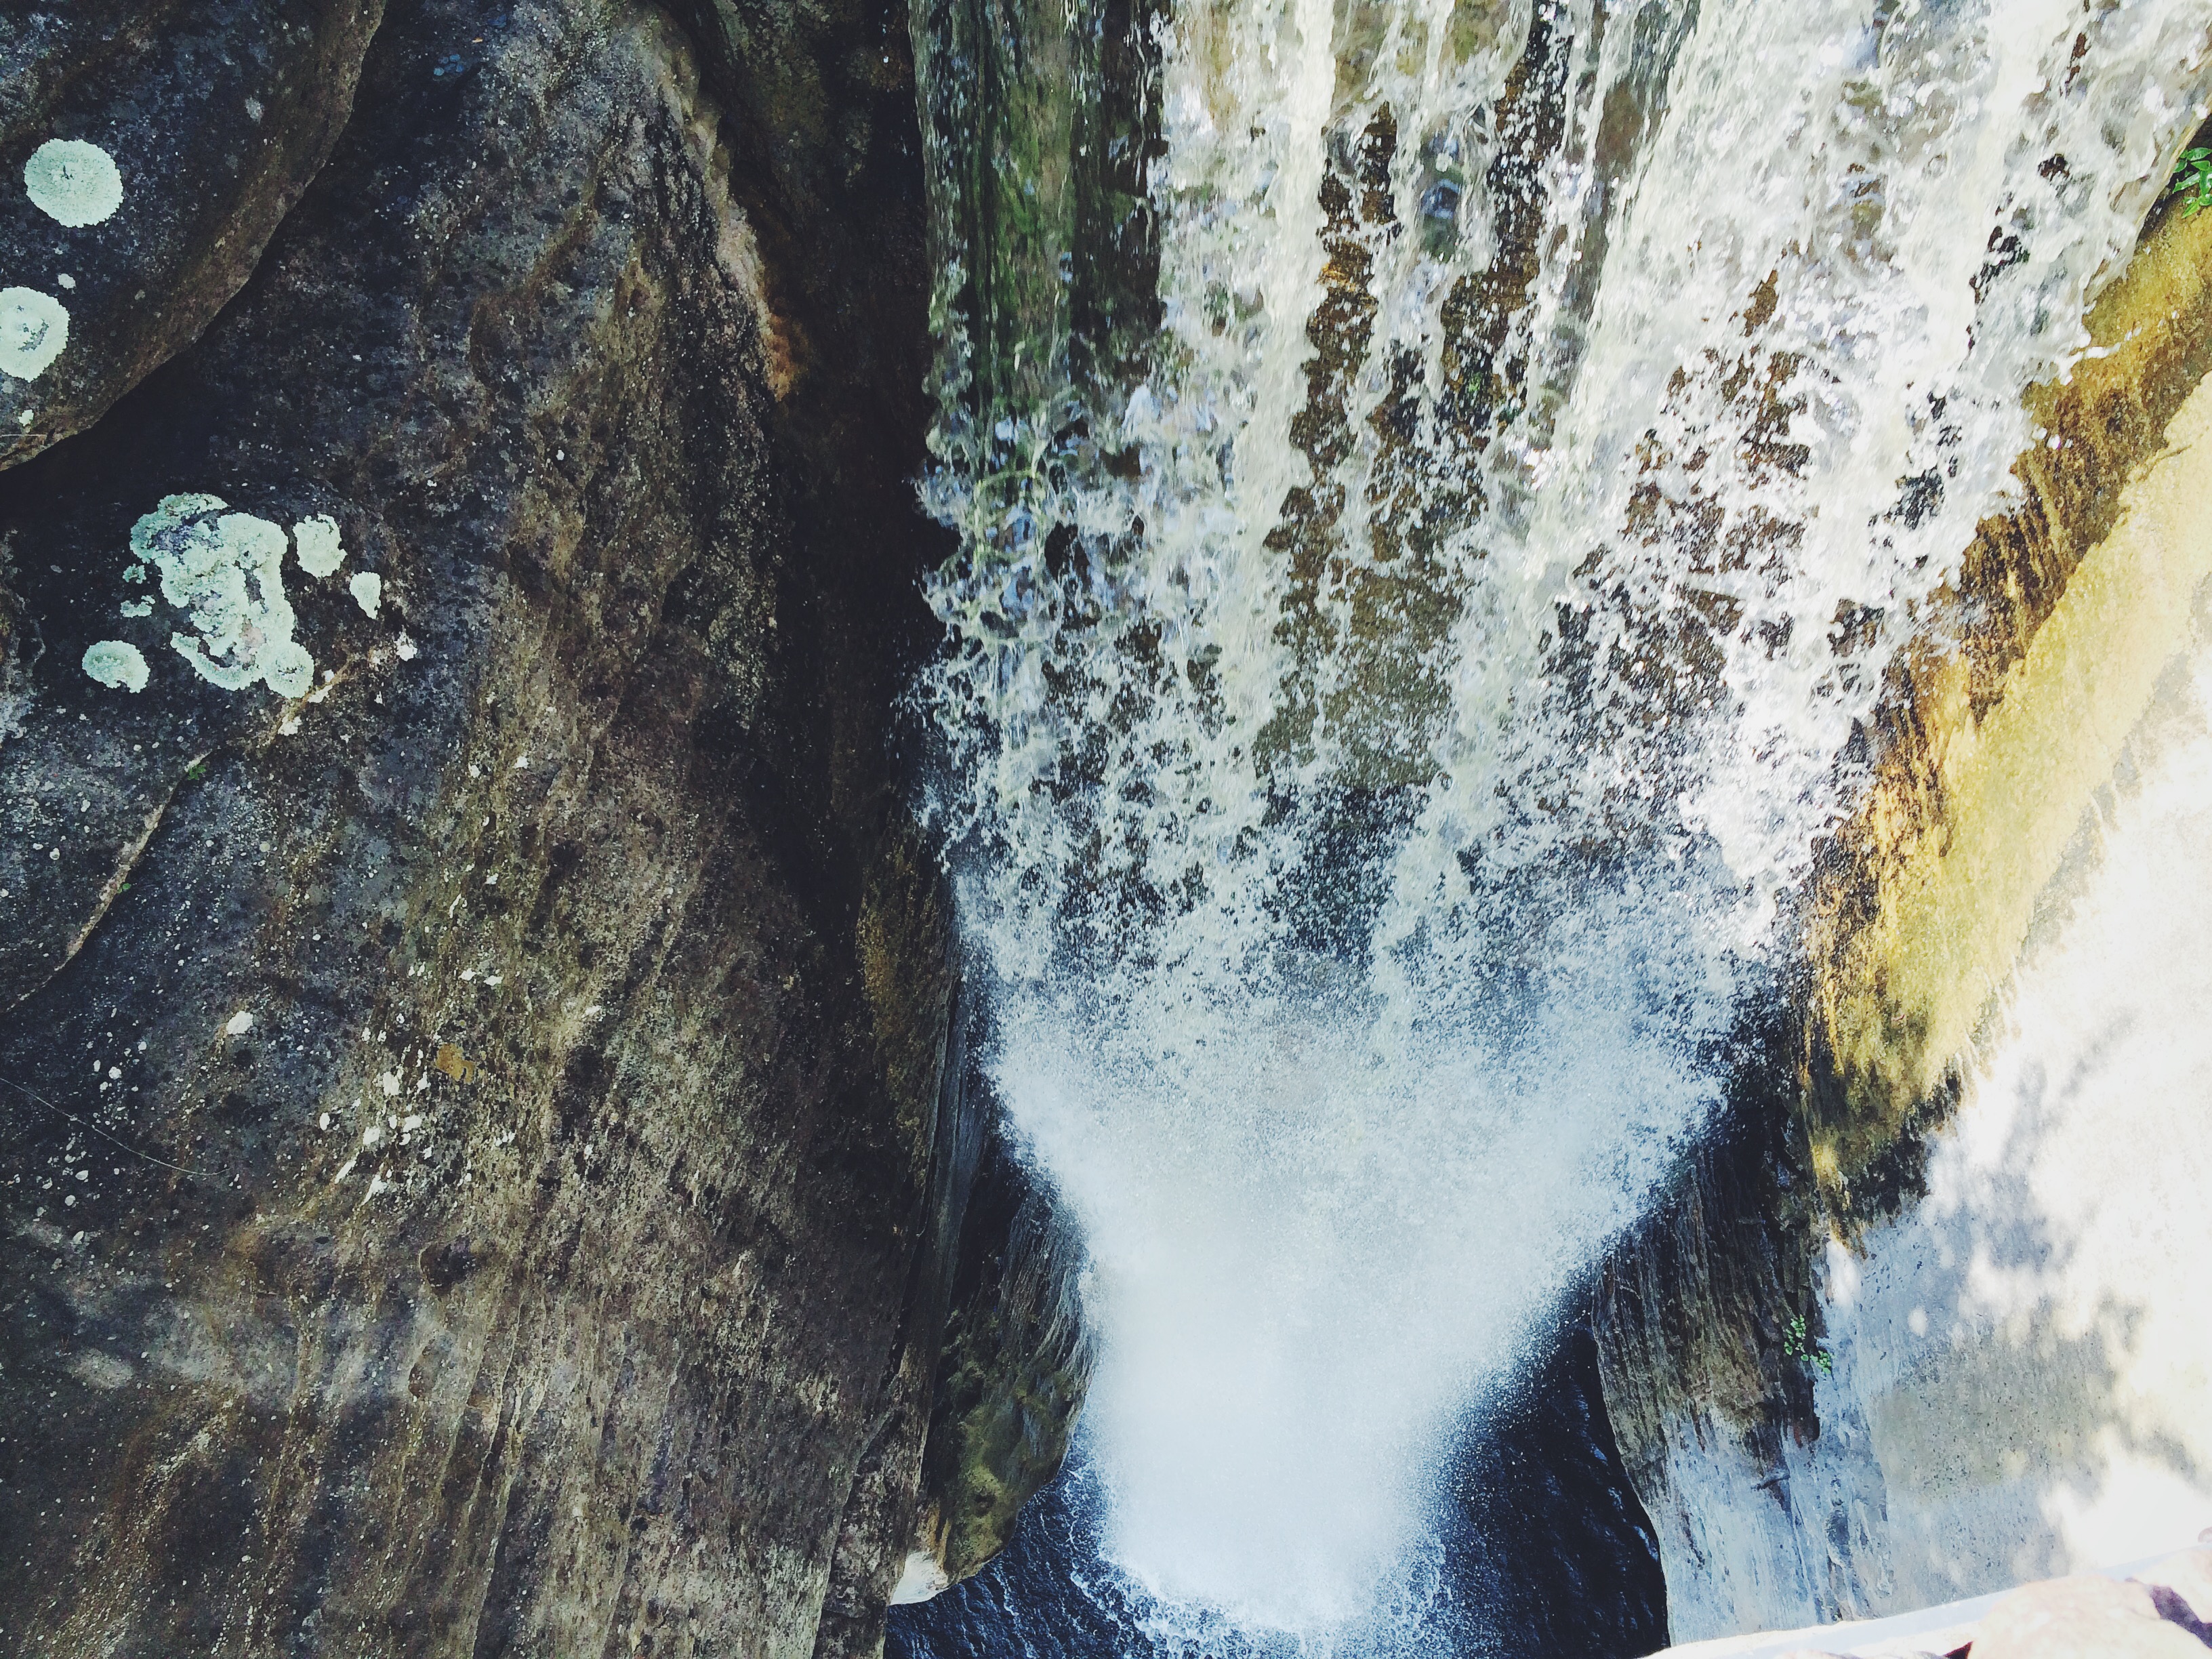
column 614, row 1333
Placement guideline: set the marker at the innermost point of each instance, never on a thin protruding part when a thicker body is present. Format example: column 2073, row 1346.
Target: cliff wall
column 483, row 1144
column 1917, row 1321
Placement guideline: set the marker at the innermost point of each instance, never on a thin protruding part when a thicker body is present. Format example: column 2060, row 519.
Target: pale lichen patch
column 33, row 328
column 207, row 557
column 116, row 662
column 72, row 182
column 315, row 544
column 368, row 591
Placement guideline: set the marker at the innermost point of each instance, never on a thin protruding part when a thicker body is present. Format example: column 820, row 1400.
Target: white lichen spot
column 206, row 557
column 240, row 1023
column 315, row 544
column 73, row 183
column 389, row 1082
column 289, row 727
column 345, row 1169
column 33, row 328
column 371, row 1135
column 116, row 662
column 368, row 591
column 403, row 648
column 136, row 607
column 67, row 281
column 135, row 572
column 323, row 1123
column 412, row 1122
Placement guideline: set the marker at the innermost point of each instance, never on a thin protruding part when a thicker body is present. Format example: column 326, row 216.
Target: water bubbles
column 1386, row 703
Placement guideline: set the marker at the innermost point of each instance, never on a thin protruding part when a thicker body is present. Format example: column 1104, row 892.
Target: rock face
column 2156, row 1609
column 1914, row 1325
column 480, row 1159
column 138, row 237
column 1015, row 1362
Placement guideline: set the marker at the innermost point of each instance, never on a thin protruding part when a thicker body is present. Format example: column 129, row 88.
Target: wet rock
column 1014, row 1367
column 548, row 1263
column 1776, row 1470
column 147, row 150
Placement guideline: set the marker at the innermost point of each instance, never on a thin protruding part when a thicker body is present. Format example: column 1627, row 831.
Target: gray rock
column 473, row 1139
column 211, row 118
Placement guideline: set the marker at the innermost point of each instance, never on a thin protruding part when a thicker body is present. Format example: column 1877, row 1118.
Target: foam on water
column 1391, row 680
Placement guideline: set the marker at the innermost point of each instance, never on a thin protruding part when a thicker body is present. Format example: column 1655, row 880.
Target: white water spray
column 1386, row 701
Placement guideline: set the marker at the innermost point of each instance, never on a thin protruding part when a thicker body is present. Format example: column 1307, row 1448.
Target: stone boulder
column 148, row 151
column 476, row 1133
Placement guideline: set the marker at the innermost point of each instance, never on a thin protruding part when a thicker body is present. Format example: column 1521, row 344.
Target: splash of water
column 1439, row 486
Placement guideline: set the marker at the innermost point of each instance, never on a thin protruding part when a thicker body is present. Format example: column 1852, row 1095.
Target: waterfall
column 1438, row 486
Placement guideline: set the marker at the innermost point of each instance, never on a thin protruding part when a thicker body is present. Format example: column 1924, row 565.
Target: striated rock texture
column 1994, row 734
column 1837, row 1400
column 477, row 1150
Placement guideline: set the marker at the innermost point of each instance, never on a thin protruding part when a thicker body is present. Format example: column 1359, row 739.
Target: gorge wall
column 484, row 1132
column 1916, row 1323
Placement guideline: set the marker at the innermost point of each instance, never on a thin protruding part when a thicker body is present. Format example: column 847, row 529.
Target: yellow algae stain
column 2000, row 743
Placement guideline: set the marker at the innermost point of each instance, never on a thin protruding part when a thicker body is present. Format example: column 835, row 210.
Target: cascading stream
column 1438, row 486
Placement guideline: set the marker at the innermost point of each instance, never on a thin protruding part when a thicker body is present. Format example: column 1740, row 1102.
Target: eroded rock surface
column 471, row 1136
column 1015, row 1362
column 1826, row 1410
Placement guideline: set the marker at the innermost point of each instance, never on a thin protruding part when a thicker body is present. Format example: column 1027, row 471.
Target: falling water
column 1437, row 487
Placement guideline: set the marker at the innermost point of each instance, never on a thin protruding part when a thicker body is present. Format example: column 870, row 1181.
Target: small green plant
column 2192, row 182
column 195, row 771
column 1801, row 1348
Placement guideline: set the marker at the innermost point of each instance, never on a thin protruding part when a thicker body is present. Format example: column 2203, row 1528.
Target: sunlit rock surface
column 2157, row 1609
column 1939, row 1330
column 478, row 1136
